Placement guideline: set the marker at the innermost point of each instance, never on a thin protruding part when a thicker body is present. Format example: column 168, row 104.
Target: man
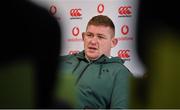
column 101, row 80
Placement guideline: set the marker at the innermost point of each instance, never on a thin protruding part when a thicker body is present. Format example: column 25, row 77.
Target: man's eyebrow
column 100, row 34
column 96, row 34
column 89, row 32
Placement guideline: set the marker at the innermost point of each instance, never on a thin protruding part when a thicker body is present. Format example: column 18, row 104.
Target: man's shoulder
column 117, row 64
column 76, row 55
column 116, row 60
column 67, row 57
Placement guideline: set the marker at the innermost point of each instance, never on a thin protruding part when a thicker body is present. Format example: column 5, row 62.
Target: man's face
column 98, row 40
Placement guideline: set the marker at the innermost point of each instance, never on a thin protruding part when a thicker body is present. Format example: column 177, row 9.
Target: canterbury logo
column 75, row 12
column 73, row 52
column 125, row 10
column 124, row 54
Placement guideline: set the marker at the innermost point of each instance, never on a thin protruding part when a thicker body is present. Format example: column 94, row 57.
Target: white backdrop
column 73, row 16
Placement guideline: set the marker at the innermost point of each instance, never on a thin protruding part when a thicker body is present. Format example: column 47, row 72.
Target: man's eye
column 89, row 35
column 101, row 37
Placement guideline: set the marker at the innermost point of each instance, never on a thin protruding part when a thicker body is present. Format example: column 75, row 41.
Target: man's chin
column 92, row 57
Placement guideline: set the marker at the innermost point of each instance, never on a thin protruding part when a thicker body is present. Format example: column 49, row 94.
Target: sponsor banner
column 74, row 16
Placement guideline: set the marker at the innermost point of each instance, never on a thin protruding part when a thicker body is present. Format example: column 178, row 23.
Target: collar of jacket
column 101, row 59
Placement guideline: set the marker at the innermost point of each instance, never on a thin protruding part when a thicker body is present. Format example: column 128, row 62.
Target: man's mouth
column 92, row 48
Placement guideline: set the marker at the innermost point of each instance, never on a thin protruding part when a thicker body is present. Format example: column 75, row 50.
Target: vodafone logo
column 75, row 31
column 124, row 54
column 124, row 29
column 100, row 8
column 125, row 11
column 52, row 10
column 71, row 52
column 75, row 12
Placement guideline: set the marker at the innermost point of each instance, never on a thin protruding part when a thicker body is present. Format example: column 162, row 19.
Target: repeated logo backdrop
column 73, row 15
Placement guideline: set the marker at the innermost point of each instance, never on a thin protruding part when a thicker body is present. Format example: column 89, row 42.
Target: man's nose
column 94, row 40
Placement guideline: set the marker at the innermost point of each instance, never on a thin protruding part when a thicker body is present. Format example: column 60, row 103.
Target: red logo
column 73, row 52
column 125, row 11
column 75, row 31
column 124, row 29
column 124, row 54
column 52, row 10
column 75, row 12
column 100, row 8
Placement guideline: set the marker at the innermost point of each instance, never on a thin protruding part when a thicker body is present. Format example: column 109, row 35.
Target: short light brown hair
column 101, row 20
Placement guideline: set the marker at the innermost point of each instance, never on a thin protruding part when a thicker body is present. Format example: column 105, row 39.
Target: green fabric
column 102, row 83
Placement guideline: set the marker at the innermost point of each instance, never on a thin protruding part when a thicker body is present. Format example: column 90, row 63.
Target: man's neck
column 89, row 60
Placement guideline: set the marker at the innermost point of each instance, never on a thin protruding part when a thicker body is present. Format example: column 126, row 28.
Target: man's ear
column 83, row 35
column 114, row 42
